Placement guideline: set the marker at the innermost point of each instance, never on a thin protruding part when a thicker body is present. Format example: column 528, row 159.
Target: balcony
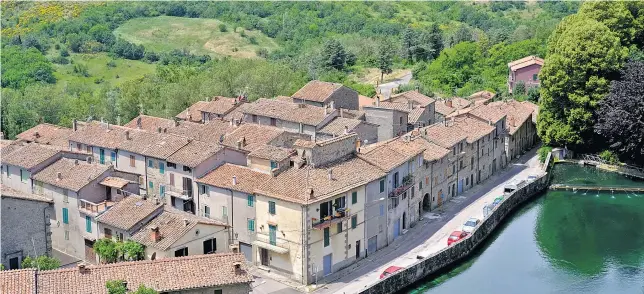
column 178, row 192
column 339, row 216
column 263, row 240
column 92, row 208
column 408, row 182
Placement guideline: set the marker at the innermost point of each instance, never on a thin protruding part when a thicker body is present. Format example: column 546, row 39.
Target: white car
column 470, row 225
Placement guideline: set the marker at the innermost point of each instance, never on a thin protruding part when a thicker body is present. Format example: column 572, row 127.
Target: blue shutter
column 251, row 200
column 65, row 216
column 88, row 224
column 161, row 168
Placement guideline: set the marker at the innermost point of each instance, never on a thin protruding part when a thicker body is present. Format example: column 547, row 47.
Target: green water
column 561, row 242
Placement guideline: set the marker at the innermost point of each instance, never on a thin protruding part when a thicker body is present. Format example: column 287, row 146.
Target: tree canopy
column 42, row 262
column 21, row 67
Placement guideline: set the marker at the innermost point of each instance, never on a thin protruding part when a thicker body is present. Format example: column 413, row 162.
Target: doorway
column 358, row 249
column 372, row 245
column 14, row 263
column 404, row 220
column 263, row 256
column 327, row 264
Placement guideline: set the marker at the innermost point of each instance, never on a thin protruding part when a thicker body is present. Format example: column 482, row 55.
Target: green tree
column 107, row 250
column 583, row 55
column 385, row 60
column 42, row 262
column 615, row 15
column 452, row 69
column 119, row 287
column 333, row 54
column 519, row 88
column 131, row 250
column 21, row 67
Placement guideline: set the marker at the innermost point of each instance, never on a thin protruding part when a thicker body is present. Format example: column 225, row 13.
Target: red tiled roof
column 526, row 61
column 247, row 179
column 287, row 111
column 317, row 91
column 75, row 174
column 413, row 96
column 150, row 123
column 18, row 281
column 254, row 136
column 47, row 134
column 442, row 108
column 129, row 212
column 28, row 155
column 195, row 152
column 444, row 136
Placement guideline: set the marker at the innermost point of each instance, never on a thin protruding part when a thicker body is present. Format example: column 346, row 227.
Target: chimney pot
column 330, row 172
column 81, row 267
column 59, row 175
column 159, row 129
column 36, row 134
column 237, row 266
column 127, row 135
column 377, row 100
column 186, row 222
column 154, row 234
column 341, row 113
column 176, row 123
column 75, row 125
column 234, row 180
column 346, row 130
column 76, row 162
column 139, row 124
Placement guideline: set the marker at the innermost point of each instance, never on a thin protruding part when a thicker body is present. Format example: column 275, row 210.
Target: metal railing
column 95, row 208
column 265, row 238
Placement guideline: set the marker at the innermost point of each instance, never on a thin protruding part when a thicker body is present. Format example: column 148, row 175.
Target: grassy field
column 198, row 35
column 372, row 76
column 98, row 71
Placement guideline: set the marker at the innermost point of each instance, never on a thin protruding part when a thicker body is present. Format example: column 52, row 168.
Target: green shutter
column 161, row 168
column 251, row 200
column 382, row 186
column 251, row 225
column 151, row 185
column 65, row 216
column 327, row 237
column 271, row 207
column 354, row 197
column 88, row 224
column 354, row 221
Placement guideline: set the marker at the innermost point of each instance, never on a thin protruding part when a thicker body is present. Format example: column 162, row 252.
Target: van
column 513, row 186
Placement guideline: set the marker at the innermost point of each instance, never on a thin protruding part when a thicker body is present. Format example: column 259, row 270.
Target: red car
column 389, row 271
column 455, row 237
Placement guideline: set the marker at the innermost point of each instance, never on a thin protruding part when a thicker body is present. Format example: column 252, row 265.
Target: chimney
column 154, row 234
column 448, row 102
column 165, row 130
column 156, row 200
column 239, row 144
column 346, row 130
column 237, row 266
column 89, row 159
column 139, row 124
column 81, row 268
column 76, row 162
column 341, row 113
column 330, row 173
column 127, row 135
column 59, row 176
column 189, row 116
column 410, row 105
column 332, row 105
column 377, row 100
column 243, row 140
column 301, row 105
column 176, row 122
column 326, row 111
column 186, row 222
column 234, row 180
column 36, row 134
column 75, row 125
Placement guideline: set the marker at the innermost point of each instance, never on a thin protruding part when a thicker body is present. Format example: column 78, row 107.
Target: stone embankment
column 443, row 259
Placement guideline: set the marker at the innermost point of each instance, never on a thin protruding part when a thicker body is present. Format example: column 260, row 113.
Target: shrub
column 252, row 40
column 262, row 52
column 223, row 28
column 41, row 262
column 543, row 153
column 111, row 63
column 609, row 156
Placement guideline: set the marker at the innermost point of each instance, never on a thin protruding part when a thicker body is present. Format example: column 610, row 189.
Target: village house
column 421, row 107
column 325, row 94
column 211, row 273
column 21, row 160
column 80, row 191
column 481, row 97
column 310, row 218
column 128, row 216
column 212, row 109
column 525, row 70
column 176, row 233
column 479, row 162
column 433, row 176
column 227, row 194
column 392, row 118
column 46, row 134
column 24, row 223
column 496, row 117
column 197, row 131
column 367, row 132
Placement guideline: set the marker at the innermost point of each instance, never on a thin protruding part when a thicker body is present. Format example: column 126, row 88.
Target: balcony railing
column 94, row 208
column 178, row 192
column 265, row 238
column 408, row 182
column 338, row 216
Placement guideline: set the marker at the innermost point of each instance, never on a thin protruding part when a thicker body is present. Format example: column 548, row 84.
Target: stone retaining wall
column 446, row 257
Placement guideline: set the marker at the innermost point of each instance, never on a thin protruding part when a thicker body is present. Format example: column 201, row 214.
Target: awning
column 114, row 182
column 270, row 247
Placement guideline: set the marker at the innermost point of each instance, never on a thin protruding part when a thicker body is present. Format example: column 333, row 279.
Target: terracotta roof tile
column 415, row 114
column 271, row 152
column 309, row 185
column 351, row 113
column 247, row 179
column 254, row 135
column 473, row 128
column 210, row 131
column 460, row 103
column 284, row 98
column 517, row 112
column 489, row 113
column 163, row 275
column 47, row 134
column 12, row 193
column 364, row 100
column 29, row 155
column 99, row 134
column 442, row 108
column 195, row 152
column 153, row 144
column 18, row 281
column 150, row 123
column 444, row 136
column 129, row 212
column 287, row 111
column 413, row 96
column 432, row 151
column 316, row 91
column 75, row 174
column 193, row 110
column 114, row 182
column 526, row 61
column 393, row 153
column 218, row 105
column 337, row 125
column 172, row 224
column 396, row 105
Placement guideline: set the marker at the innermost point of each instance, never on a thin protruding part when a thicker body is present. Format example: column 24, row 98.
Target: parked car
column 531, row 178
column 390, row 271
column 471, row 224
column 513, row 186
column 497, row 200
column 455, row 237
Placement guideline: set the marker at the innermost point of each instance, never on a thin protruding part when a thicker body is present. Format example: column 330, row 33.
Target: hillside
column 197, row 35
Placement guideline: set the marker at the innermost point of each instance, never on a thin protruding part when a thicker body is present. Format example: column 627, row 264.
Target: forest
column 87, row 60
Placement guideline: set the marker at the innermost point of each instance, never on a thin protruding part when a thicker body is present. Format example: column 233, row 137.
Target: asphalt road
column 386, row 88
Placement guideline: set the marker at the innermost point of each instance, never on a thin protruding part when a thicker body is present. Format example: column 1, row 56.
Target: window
column 273, row 122
column 151, row 185
column 271, row 207
column 67, row 235
column 224, row 212
column 382, row 186
column 79, row 147
column 301, row 128
column 119, row 236
column 396, row 180
column 187, row 169
column 161, row 190
column 472, row 163
column 382, row 210
column 65, row 216
column 101, row 157
column 327, row 237
column 150, row 163
column 88, row 224
column 251, row 225
column 161, row 168
column 171, row 179
column 454, row 151
column 113, row 156
column 89, row 149
column 420, row 185
column 354, row 197
column 401, row 120
column 251, row 200
column 340, row 202
column 108, row 233
column 272, row 234
column 460, row 165
column 132, row 161
column 210, row 246
column 420, row 161
column 23, row 176
column 66, row 196
column 273, row 165
column 219, row 291
column 535, row 77
column 204, row 189
column 339, row 227
column 181, row 252
column 206, row 211
column 8, row 174
column 172, row 165
column 254, row 118
column 354, row 221
column 467, row 181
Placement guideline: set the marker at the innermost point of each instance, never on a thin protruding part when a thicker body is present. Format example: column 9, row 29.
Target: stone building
column 392, row 119
column 46, row 134
column 421, row 107
column 21, row 160
column 324, row 94
column 293, row 117
column 25, row 226
column 212, row 273
column 215, row 108
column 451, row 139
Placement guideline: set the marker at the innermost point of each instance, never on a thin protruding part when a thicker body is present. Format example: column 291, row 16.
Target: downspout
column 44, row 216
column 478, row 162
column 431, row 185
column 305, row 257
column 232, row 217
